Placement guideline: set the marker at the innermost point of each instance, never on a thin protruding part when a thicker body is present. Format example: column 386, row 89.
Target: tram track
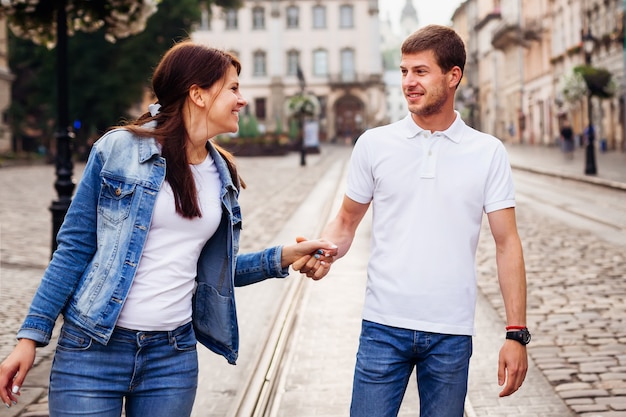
column 257, row 395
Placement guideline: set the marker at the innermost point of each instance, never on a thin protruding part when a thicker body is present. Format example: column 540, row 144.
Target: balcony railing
column 509, row 33
column 347, row 79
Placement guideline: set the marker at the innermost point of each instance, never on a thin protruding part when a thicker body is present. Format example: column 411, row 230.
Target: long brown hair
column 184, row 65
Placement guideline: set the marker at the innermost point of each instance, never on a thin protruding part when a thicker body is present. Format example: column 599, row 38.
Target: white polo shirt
column 428, row 194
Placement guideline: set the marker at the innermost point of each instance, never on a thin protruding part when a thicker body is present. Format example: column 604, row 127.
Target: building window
column 320, row 62
column 231, row 19
column 293, row 60
column 258, row 18
column 260, row 108
column 347, row 65
column 346, row 17
column 260, row 67
column 319, row 17
column 293, row 17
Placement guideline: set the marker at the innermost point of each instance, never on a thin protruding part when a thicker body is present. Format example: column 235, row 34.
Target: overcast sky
column 428, row 11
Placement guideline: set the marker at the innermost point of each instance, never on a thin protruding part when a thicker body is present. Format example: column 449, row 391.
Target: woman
column 147, row 255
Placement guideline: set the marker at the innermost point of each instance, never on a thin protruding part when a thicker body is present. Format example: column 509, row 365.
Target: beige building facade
column 335, row 44
column 519, row 55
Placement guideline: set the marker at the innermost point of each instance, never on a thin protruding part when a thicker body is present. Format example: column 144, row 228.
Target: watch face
column 522, row 336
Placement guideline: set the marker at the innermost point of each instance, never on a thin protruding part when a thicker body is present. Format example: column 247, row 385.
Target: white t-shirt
column 160, row 297
column 428, row 194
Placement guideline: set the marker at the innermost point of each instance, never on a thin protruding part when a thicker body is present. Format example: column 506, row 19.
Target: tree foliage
column 37, row 19
column 105, row 79
column 572, row 86
column 599, row 81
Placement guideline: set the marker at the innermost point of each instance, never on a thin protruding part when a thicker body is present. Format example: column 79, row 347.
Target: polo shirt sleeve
column 499, row 189
column 360, row 181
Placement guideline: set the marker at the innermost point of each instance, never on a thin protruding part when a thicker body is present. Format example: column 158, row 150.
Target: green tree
column 599, row 81
column 105, row 79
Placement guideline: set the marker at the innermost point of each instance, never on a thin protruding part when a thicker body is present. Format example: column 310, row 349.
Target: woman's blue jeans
column 385, row 361
column 153, row 373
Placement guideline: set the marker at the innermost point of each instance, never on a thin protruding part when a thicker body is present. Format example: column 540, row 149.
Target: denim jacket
column 102, row 238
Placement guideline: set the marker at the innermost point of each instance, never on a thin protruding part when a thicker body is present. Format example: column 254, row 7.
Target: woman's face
column 226, row 102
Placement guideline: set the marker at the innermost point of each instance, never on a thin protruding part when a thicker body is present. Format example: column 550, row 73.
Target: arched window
column 231, row 19
column 320, row 62
column 346, row 16
column 293, row 17
column 347, row 65
column 293, row 60
column 258, row 18
column 260, row 64
column 319, row 17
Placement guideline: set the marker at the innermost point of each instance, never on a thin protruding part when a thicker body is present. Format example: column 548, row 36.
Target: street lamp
column 590, row 156
column 64, row 183
column 302, row 84
column 46, row 22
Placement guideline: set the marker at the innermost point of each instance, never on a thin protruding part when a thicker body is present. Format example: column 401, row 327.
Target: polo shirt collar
column 454, row 132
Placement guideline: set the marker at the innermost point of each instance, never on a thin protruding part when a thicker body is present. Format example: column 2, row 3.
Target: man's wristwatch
column 521, row 335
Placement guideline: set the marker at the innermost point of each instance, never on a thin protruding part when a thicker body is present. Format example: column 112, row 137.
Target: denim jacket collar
column 147, row 149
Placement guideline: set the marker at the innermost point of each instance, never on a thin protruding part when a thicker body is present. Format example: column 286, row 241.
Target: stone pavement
column 611, row 166
column 581, row 293
column 577, row 299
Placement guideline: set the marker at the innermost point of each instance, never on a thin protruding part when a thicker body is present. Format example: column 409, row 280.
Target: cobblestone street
column 576, row 293
column 577, row 310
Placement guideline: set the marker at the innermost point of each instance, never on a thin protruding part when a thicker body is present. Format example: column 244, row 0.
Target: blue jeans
column 154, row 373
column 385, row 361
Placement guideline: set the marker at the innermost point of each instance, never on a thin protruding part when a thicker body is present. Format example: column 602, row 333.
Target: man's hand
column 512, row 367
column 315, row 265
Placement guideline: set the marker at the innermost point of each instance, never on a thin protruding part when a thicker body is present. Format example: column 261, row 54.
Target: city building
column 521, row 61
column 392, row 36
column 330, row 49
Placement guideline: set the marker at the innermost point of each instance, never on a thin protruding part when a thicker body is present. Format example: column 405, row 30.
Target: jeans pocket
column 72, row 338
column 186, row 341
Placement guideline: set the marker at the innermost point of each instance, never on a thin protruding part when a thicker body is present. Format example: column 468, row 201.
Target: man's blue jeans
column 385, row 361
column 155, row 373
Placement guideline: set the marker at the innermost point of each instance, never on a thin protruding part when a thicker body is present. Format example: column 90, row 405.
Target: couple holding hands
column 147, row 256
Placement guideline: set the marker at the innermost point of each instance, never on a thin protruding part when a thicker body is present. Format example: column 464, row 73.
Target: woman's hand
column 315, row 257
column 14, row 369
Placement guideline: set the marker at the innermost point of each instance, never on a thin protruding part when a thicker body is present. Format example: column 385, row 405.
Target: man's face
column 425, row 86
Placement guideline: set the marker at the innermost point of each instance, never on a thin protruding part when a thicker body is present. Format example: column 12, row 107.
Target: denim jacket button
column 118, row 192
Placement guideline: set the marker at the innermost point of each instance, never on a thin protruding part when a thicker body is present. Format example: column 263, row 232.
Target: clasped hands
column 315, row 263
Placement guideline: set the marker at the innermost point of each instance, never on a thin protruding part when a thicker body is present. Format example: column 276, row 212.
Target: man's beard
column 431, row 108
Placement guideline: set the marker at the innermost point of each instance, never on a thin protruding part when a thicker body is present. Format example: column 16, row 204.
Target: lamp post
column 40, row 21
column 302, row 83
column 64, row 183
column 590, row 156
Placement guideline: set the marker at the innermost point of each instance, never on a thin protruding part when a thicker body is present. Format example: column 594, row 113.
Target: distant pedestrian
column 589, row 135
column 429, row 178
column 567, row 139
column 147, row 255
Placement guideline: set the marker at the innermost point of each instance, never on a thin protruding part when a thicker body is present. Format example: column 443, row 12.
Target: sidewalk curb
column 580, row 178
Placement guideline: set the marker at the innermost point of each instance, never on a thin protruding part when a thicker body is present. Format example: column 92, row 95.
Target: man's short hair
column 445, row 43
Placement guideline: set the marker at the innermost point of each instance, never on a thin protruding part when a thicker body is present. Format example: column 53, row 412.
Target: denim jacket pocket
column 115, row 199
column 213, row 314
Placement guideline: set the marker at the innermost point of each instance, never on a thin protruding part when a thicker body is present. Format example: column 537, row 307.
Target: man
column 429, row 178
column 567, row 136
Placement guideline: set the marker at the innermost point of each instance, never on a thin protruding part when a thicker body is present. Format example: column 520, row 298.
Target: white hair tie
column 154, row 109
